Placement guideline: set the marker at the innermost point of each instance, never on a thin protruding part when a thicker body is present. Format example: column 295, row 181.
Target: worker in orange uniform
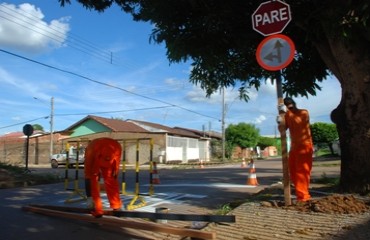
column 301, row 148
column 102, row 159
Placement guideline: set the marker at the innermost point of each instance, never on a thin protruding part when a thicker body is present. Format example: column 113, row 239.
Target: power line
column 30, row 21
column 56, row 35
column 129, row 110
column 46, row 117
column 105, row 84
column 91, row 113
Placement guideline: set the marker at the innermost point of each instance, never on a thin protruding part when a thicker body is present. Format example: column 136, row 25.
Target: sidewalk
column 257, row 222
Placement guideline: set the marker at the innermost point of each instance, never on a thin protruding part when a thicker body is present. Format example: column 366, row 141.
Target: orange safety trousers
column 300, row 166
column 102, row 159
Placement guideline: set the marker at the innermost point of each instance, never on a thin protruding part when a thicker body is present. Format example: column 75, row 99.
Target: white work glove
column 282, row 108
column 279, row 119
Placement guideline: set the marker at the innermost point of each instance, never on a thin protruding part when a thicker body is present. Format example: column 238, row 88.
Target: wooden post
column 125, row 223
column 284, row 154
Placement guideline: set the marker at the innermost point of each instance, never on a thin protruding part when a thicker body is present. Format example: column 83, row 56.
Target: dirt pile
column 334, row 204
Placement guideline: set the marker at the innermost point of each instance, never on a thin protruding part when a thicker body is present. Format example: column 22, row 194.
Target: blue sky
column 103, row 64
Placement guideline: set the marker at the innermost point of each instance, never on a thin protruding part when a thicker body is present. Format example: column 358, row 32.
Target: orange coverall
column 102, row 158
column 300, row 154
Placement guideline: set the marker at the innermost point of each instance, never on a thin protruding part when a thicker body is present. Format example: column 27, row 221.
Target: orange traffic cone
column 155, row 174
column 252, row 176
column 244, row 164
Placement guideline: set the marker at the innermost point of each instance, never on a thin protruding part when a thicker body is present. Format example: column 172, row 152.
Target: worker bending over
column 102, row 159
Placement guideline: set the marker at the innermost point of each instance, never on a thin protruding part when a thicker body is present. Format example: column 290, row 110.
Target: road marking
column 152, row 201
column 216, row 185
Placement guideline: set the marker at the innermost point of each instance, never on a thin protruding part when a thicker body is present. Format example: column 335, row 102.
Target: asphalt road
column 209, row 187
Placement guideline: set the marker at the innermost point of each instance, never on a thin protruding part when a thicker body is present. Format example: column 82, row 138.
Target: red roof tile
column 116, row 125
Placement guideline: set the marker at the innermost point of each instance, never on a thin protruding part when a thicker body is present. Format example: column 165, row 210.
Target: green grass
column 333, row 164
column 11, row 168
column 322, row 152
column 224, row 209
column 324, row 179
column 325, row 152
column 17, row 176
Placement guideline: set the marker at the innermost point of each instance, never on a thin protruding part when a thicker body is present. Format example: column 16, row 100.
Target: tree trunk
column 352, row 116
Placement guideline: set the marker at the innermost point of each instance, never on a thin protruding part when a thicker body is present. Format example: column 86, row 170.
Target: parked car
column 61, row 158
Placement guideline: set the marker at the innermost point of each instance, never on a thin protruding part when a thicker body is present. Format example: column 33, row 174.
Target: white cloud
column 137, row 67
column 325, row 101
column 198, row 95
column 12, row 83
column 260, row 119
column 268, row 88
column 22, row 27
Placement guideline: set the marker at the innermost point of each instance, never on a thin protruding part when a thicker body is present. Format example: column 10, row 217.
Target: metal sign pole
column 28, row 131
column 27, row 147
column 284, row 154
column 275, row 59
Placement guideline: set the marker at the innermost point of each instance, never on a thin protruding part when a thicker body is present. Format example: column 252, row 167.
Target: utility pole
column 51, row 125
column 223, row 124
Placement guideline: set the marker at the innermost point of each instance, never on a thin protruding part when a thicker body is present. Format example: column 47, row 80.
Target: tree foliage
column 264, row 142
column 38, row 127
column 186, row 27
column 243, row 135
column 324, row 133
column 331, row 38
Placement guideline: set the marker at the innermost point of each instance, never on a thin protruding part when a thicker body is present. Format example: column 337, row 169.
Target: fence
column 13, row 151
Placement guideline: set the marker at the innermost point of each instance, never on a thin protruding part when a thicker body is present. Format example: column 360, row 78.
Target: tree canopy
column 37, row 127
column 324, row 133
column 243, row 135
column 264, row 142
column 331, row 38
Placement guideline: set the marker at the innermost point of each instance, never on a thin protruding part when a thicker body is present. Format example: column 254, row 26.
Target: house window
column 176, row 142
column 193, row 143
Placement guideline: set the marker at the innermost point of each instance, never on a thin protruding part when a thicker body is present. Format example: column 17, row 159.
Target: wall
column 129, row 143
column 13, row 150
column 204, row 150
column 174, row 154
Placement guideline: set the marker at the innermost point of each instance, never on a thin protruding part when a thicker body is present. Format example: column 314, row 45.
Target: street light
column 51, row 123
column 223, row 123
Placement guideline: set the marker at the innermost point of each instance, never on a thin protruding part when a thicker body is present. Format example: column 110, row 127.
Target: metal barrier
column 138, row 200
column 76, row 190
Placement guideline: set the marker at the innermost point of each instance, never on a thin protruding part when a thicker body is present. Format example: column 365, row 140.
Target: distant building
column 169, row 144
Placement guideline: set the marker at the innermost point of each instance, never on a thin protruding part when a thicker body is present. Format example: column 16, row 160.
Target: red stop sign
column 271, row 17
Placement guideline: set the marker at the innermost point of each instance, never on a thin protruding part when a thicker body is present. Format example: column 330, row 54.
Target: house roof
column 133, row 126
column 12, row 135
column 136, row 126
column 20, row 135
column 210, row 134
column 155, row 127
column 115, row 125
